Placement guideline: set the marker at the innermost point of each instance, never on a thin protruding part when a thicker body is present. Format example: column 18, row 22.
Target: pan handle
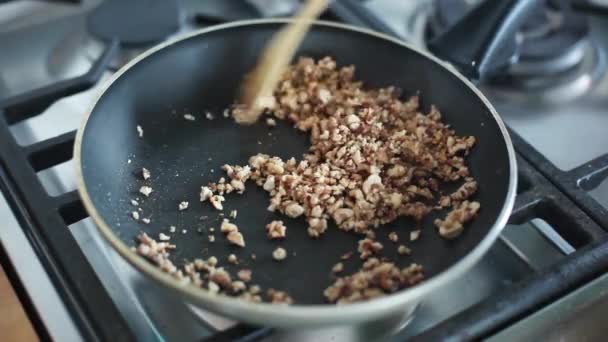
column 477, row 43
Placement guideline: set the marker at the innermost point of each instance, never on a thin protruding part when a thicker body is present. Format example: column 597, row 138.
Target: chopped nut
column 189, row 117
column 452, row 226
column 172, row 229
column 228, row 227
column 206, row 193
column 244, row 275
column 271, row 122
column 145, row 190
column 212, row 261
column 294, row 210
column 232, row 259
column 276, row 230
column 233, row 214
column 145, row 173
column 236, row 238
column 278, row 297
column 145, row 220
column 140, row 131
column 338, row 268
column 211, row 238
column 238, row 286
column 403, row 250
column 414, row 235
column 216, row 201
column 163, row 237
column 134, row 202
column 135, row 215
column 209, row 116
column 213, row 287
column 279, row 254
column 184, row 231
column 367, row 247
column 374, row 279
column 183, row 205
column 346, row 256
column 393, row 237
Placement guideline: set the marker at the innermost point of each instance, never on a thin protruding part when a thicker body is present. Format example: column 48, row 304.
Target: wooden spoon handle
column 259, row 85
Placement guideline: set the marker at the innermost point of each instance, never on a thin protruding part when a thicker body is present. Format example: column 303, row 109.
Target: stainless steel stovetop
column 45, row 42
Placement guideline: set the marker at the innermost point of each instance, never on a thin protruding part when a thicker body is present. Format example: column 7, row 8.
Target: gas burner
column 554, row 41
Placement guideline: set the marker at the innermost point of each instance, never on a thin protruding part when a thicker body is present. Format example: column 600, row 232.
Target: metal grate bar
column 32, row 103
column 48, row 153
column 70, row 207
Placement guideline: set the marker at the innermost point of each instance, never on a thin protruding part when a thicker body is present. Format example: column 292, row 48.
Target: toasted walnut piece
column 337, row 268
column 452, row 225
column 270, row 122
column 221, row 277
column 163, row 237
column 316, row 227
column 233, row 259
column 145, row 220
column 216, row 201
column 278, row 297
column 294, row 210
column 414, row 235
column 276, row 230
column 393, row 236
column 212, row 261
column 346, row 256
column 213, row 287
column 244, row 275
column 145, row 173
column 367, row 247
column 183, row 205
column 145, row 190
column 228, row 227
column 372, row 181
column 374, row 279
column 236, row 238
column 135, row 215
column 279, row 254
column 404, row 250
column 206, row 193
column 238, row 286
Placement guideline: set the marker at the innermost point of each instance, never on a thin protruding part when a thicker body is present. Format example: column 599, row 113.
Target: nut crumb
column 140, row 131
column 189, row 117
column 206, row 193
column 209, row 116
column 279, row 254
column 244, row 275
column 253, row 257
column 276, row 230
column 414, row 235
column 135, row 215
column 393, row 236
column 134, row 202
column 404, row 250
column 183, row 205
column 163, row 237
column 226, row 113
column 145, row 190
column 212, row 261
column 278, row 297
column 339, row 267
column 271, row 122
column 172, row 229
column 233, row 214
column 228, row 227
column 236, row 238
column 232, row 259
column 145, row 173
column 216, row 201
column 211, row 238
column 346, row 256
column 367, row 247
column 145, row 220
column 184, row 231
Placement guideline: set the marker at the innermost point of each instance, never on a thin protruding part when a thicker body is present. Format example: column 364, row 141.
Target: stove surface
column 51, row 42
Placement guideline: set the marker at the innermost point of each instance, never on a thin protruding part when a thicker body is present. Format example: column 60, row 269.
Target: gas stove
column 551, row 92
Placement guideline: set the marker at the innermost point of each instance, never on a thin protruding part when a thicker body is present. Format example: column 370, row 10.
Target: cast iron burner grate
column 545, row 192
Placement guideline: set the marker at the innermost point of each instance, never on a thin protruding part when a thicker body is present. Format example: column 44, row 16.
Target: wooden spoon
column 258, row 86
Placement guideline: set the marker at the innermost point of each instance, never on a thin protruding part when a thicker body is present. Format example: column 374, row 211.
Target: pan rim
column 300, row 315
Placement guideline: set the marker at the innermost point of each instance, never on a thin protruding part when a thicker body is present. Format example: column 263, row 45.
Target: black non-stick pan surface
column 201, row 74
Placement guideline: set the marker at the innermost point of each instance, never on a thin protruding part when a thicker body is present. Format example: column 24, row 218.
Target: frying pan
column 200, row 73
